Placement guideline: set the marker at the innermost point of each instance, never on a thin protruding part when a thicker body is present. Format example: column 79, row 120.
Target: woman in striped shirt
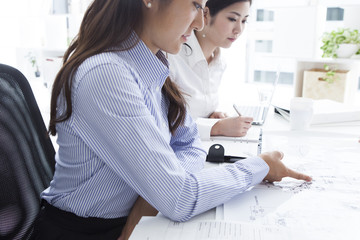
column 122, row 127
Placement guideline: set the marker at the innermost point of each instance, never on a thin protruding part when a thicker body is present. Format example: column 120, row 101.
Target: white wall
column 29, row 26
column 21, row 25
column 26, row 25
column 296, row 33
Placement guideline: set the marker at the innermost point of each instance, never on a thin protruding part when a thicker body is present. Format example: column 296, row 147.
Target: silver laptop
column 258, row 112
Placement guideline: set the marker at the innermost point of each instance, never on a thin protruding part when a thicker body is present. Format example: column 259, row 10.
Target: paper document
column 160, row 228
column 254, row 135
column 325, row 208
column 256, row 202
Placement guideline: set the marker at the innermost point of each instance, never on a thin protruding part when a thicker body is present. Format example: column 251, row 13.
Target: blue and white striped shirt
column 117, row 146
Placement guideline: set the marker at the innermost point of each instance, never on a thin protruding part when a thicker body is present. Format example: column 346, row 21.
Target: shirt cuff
column 204, row 126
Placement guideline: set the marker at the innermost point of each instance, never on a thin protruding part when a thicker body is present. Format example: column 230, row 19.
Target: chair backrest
column 26, row 155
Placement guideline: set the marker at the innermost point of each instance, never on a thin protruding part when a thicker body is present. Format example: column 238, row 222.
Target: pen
column 237, row 110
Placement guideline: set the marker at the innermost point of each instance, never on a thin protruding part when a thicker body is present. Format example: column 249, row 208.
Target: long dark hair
column 216, row 6
column 106, row 24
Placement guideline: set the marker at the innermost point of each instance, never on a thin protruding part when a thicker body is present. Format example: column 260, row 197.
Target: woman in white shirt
column 198, row 68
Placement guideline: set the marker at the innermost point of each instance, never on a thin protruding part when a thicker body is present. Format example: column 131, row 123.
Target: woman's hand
column 278, row 170
column 232, row 127
column 218, row 115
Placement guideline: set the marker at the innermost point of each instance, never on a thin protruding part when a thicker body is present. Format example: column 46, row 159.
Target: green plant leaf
column 331, row 40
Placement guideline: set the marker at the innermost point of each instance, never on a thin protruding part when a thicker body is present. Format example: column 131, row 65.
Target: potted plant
column 342, row 43
column 330, row 74
column 32, row 59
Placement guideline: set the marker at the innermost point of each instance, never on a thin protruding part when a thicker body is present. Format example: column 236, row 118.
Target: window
column 264, row 76
column 269, row 77
column 263, row 46
column 286, row 78
column 60, row 7
column 263, row 15
column 335, row 14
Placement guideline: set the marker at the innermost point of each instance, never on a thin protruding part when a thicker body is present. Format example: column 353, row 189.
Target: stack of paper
column 161, row 228
column 326, row 111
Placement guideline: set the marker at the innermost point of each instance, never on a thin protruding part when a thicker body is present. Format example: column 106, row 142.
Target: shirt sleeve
column 111, row 117
column 187, row 146
column 205, row 125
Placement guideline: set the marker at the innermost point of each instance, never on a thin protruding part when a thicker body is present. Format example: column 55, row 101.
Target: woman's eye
column 198, row 6
column 232, row 19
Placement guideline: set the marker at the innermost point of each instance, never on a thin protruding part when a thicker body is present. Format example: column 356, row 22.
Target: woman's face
column 227, row 25
column 167, row 26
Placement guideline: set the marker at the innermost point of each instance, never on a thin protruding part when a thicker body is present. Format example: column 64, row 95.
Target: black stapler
column 217, row 155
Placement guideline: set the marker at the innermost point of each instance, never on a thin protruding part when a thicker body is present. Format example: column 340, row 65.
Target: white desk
column 328, row 208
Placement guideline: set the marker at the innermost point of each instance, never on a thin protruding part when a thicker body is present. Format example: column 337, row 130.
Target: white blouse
column 199, row 81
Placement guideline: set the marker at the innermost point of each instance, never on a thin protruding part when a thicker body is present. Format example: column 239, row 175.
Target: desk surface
column 328, row 208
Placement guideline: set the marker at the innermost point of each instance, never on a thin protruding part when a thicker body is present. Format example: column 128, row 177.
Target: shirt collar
column 217, row 61
column 152, row 68
column 196, row 52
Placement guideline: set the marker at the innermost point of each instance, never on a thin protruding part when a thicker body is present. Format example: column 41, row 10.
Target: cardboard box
column 315, row 86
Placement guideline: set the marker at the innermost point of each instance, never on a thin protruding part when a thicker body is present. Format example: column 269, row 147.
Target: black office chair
column 26, row 155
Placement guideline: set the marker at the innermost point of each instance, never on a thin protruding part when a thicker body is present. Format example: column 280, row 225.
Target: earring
column 148, row 5
column 204, row 35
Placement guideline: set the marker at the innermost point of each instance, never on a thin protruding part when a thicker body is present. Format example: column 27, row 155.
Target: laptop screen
column 259, row 112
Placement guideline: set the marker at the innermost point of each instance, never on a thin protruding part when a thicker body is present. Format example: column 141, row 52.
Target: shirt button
column 157, row 88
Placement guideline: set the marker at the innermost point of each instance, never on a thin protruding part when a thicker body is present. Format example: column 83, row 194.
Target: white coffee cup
column 301, row 112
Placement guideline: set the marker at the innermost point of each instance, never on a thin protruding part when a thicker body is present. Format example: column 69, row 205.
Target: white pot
column 346, row 50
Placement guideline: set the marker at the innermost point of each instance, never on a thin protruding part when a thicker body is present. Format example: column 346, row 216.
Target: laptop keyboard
column 252, row 111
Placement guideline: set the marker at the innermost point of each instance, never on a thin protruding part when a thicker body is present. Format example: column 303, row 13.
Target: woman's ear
column 206, row 16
